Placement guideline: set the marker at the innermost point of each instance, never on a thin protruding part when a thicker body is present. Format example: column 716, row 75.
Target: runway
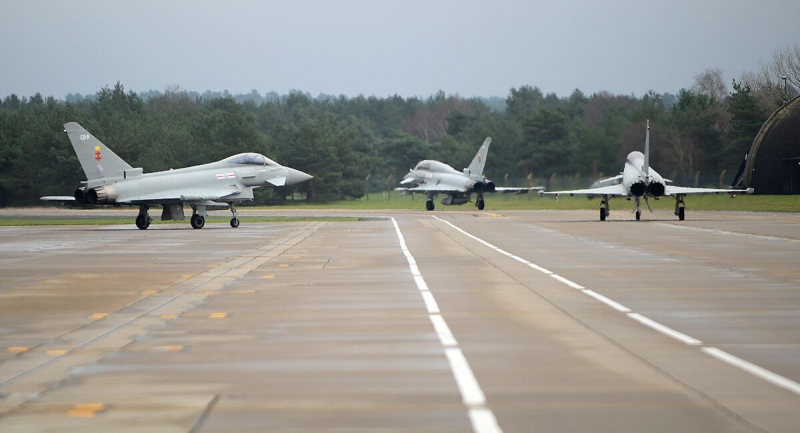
column 512, row 321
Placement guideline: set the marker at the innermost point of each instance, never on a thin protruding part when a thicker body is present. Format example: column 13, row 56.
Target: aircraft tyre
column 602, row 214
column 198, row 221
column 638, row 215
column 143, row 222
column 234, row 222
column 481, row 204
column 681, row 213
column 429, row 205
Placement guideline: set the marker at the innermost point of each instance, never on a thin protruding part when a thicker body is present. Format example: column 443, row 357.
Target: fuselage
column 641, row 182
column 235, row 175
column 448, row 180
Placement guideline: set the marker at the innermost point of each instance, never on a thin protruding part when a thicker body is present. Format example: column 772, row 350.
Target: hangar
column 772, row 165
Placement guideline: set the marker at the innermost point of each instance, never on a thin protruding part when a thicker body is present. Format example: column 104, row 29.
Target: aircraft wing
column 673, row 190
column 611, row 190
column 428, row 187
column 505, row 190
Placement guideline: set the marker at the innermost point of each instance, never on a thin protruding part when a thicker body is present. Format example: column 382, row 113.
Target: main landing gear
column 604, row 209
column 143, row 220
column 680, row 207
column 429, row 202
column 480, row 203
column 198, row 221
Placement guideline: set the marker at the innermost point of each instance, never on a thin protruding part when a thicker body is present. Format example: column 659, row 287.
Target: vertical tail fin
column 476, row 166
column 647, row 150
column 97, row 160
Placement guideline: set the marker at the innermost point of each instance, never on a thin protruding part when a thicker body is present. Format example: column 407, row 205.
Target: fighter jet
column 639, row 181
column 434, row 178
column 216, row 186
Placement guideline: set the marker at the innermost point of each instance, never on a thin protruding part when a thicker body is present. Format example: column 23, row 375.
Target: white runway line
column 749, row 367
column 665, row 330
column 484, row 421
column 613, row 304
column 481, row 417
column 753, row 369
column 567, row 282
column 471, row 392
column 443, row 331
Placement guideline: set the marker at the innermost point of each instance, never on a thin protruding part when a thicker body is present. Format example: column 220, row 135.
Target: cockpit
column 435, row 166
column 249, row 159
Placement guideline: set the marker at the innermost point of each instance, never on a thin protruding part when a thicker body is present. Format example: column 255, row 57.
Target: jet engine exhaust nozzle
column 103, row 194
column 479, row 186
column 80, row 196
column 490, row 186
column 656, row 189
column 638, row 189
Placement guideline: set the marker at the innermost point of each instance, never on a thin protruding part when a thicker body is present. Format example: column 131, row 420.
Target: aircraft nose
column 296, row 176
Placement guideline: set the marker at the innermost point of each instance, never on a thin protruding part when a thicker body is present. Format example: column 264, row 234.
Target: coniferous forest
column 351, row 143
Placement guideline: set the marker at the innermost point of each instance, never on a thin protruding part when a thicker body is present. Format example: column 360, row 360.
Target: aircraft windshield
column 249, row 159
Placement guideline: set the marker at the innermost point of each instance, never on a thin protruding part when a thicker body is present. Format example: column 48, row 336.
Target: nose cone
column 296, row 176
column 408, row 178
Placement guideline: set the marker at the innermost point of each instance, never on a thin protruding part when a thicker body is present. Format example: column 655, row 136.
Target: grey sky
column 408, row 47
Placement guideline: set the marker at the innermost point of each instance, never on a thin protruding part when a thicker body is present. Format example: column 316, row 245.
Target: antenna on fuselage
column 647, row 151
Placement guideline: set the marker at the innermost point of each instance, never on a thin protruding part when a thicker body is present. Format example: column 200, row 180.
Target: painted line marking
column 217, row 315
column 731, row 233
column 665, row 330
column 471, row 392
column 484, row 421
column 481, row 418
column 18, row 349
column 613, row 304
column 753, row 369
column 430, row 303
column 721, row 355
column 572, row 284
column 175, row 348
column 98, row 316
column 443, row 331
column 56, row 352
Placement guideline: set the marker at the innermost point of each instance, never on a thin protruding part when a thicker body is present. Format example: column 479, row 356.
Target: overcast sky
column 407, row 47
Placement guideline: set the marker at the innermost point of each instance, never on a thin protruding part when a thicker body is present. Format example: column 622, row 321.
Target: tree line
column 351, row 145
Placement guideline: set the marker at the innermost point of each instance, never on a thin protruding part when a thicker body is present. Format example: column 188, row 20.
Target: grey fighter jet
column 216, row 186
column 434, row 178
column 640, row 181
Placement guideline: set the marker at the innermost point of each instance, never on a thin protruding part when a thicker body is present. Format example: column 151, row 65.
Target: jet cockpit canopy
column 249, row 159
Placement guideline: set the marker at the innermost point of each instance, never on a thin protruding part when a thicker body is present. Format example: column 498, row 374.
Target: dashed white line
column 572, row 284
column 665, row 330
column 753, row 369
column 749, row 367
column 481, row 417
column 613, row 304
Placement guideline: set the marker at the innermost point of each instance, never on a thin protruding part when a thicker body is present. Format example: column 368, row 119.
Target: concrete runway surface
column 543, row 321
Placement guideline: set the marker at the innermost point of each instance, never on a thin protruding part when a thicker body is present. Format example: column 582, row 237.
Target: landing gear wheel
column 234, row 222
column 143, row 222
column 638, row 215
column 198, row 221
column 481, row 204
column 429, row 205
column 681, row 213
column 602, row 214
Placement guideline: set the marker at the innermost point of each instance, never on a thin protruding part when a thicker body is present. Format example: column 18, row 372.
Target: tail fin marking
column 97, row 160
column 476, row 166
column 647, row 150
